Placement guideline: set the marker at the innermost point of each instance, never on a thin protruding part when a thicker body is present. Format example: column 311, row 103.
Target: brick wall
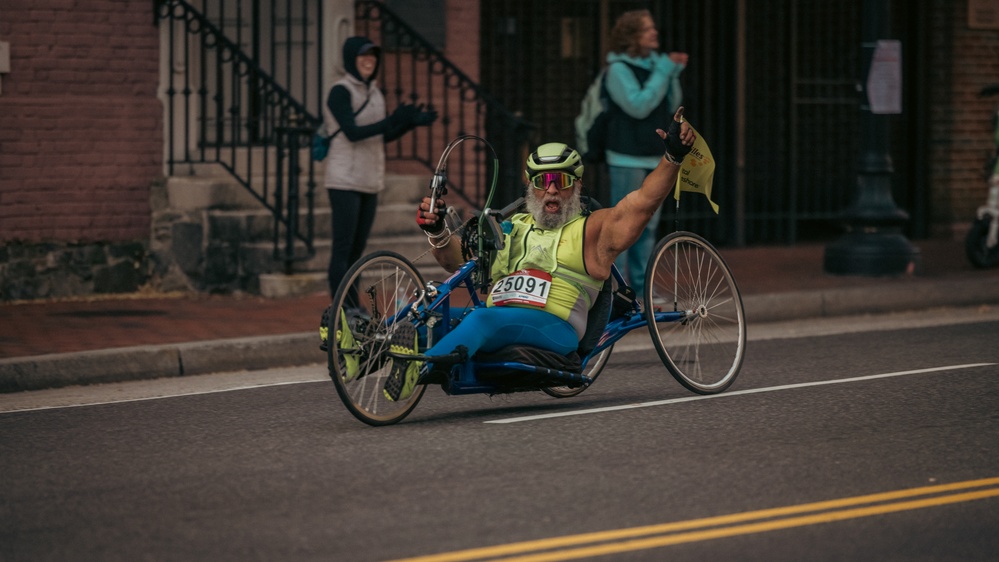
column 962, row 61
column 80, row 123
column 463, row 36
column 462, row 49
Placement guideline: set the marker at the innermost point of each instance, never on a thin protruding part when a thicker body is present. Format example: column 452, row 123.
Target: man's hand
column 431, row 222
column 679, row 140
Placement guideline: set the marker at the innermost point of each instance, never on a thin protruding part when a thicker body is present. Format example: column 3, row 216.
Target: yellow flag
column 697, row 171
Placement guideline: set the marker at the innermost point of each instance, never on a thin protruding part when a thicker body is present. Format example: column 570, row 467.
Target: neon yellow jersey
column 544, row 269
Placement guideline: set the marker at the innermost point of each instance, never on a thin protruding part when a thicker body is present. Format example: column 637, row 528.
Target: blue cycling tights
column 493, row 328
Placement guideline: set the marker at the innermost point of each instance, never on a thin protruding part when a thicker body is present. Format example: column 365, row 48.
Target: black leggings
column 352, row 215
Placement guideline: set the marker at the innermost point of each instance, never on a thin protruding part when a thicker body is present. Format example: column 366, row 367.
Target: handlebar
column 485, row 235
column 509, row 210
column 438, row 188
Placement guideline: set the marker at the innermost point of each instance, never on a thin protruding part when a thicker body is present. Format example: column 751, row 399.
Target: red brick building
column 82, row 121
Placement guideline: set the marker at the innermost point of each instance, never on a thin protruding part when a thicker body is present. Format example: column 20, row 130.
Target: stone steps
column 311, row 278
column 257, row 225
column 215, row 235
column 223, row 192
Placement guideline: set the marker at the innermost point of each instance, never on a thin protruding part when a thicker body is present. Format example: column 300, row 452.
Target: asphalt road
column 833, row 444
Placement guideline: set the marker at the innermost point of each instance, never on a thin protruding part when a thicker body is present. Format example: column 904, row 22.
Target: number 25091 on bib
column 527, row 286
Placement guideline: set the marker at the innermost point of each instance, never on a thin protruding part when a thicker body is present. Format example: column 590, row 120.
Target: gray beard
column 569, row 209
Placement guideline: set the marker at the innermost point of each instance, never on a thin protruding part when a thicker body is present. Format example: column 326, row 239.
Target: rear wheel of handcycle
column 704, row 349
column 361, row 328
column 592, row 370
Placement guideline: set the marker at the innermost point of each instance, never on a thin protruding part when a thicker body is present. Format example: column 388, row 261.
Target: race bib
column 527, row 286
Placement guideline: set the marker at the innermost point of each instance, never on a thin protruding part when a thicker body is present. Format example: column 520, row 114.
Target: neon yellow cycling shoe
column 324, row 330
column 402, row 378
column 348, row 349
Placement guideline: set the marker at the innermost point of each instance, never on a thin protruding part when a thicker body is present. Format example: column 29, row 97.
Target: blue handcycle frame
column 439, row 313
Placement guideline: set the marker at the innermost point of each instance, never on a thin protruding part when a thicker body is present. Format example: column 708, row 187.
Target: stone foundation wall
column 189, row 253
column 40, row 271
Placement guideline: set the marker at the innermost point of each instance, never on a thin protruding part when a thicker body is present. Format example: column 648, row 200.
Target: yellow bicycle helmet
column 554, row 156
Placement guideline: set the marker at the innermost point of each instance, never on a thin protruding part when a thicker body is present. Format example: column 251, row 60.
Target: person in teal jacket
column 644, row 89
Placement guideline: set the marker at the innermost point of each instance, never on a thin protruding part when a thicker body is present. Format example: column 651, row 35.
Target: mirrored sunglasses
column 561, row 180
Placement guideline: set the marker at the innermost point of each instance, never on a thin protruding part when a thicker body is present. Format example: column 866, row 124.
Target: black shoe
column 401, row 381
column 324, row 330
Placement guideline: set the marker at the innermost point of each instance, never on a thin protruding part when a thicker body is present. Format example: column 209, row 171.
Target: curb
column 294, row 350
column 151, row 362
column 880, row 299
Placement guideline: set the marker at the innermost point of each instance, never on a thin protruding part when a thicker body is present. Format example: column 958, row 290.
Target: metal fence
column 225, row 107
column 245, row 90
column 771, row 86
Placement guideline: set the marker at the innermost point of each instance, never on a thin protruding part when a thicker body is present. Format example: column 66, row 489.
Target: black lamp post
column 873, row 243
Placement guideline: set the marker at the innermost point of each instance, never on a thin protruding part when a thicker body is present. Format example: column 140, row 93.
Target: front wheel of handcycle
column 695, row 313
column 366, row 319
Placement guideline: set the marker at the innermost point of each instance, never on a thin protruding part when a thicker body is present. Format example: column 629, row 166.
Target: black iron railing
column 415, row 71
column 245, row 89
column 224, row 108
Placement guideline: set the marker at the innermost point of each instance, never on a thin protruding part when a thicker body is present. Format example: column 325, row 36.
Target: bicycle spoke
column 704, row 349
column 385, row 284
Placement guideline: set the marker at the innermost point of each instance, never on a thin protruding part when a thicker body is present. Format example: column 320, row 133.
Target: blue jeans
column 632, row 261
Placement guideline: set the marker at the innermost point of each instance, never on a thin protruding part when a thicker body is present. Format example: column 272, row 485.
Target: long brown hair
column 626, row 32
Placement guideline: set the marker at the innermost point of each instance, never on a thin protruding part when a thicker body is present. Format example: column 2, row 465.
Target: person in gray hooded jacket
column 355, row 166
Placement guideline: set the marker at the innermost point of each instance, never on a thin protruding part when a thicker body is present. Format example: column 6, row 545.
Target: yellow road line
column 824, row 515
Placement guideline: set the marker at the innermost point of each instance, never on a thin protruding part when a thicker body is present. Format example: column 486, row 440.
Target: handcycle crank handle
column 437, row 189
column 509, row 210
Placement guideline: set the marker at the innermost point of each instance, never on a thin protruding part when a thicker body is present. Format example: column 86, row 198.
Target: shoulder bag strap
column 360, row 109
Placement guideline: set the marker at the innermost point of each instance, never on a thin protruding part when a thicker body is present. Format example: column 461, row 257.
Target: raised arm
column 611, row 231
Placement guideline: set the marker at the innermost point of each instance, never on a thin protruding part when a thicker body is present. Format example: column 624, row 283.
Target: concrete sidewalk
column 131, row 337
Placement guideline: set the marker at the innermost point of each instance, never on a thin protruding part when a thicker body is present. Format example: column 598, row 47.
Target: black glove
column 403, row 115
column 423, row 117
column 675, row 149
column 431, row 228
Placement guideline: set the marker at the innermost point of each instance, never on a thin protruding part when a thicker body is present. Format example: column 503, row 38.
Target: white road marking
column 156, row 389
column 637, row 340
column 735, row 393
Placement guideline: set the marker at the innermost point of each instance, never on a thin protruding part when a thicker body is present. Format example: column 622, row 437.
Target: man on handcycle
column 554, row 260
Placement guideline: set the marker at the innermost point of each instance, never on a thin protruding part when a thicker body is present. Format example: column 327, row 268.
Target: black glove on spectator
column 403, row 115
column 423, row 117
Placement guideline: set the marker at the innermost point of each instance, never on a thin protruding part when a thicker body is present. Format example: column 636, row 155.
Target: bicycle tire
column 976, row 245
column 385, row 283
column 704, row 350
column 592, row 370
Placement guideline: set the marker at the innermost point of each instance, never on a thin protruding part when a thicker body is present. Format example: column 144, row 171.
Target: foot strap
column 459, row 355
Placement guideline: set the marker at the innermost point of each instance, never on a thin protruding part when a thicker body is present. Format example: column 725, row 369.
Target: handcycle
column 384, row 312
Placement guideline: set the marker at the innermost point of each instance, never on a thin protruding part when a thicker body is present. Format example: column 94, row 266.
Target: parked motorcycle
column 982, row 243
